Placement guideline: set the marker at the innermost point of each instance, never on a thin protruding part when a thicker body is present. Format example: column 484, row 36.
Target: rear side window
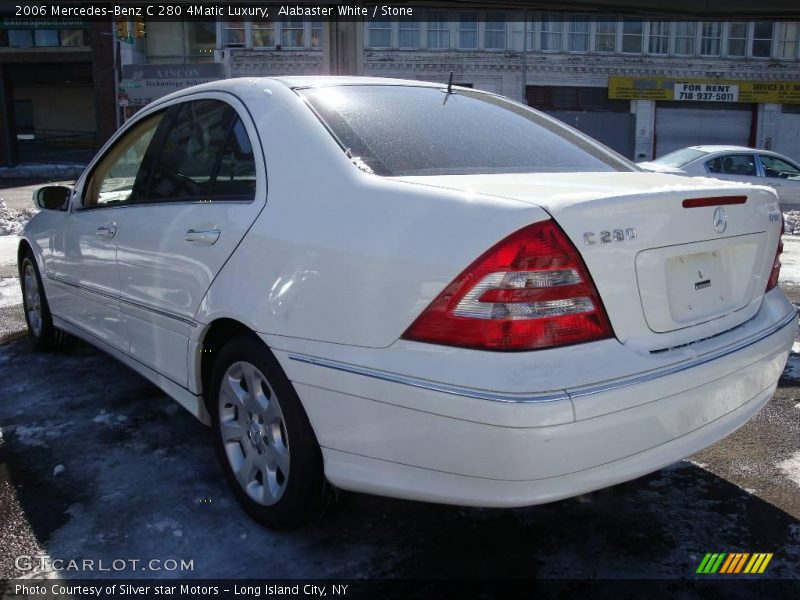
column 403, row 131
column 205, row 154
column 735, row 164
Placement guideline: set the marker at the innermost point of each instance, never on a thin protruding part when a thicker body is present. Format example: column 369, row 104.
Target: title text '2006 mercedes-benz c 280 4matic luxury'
column 412, row 289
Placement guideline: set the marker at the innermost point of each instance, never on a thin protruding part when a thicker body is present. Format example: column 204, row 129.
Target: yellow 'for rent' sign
column 703, row 90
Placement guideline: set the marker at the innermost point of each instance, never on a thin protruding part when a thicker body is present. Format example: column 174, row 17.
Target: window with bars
column 710, row 38
column 685, row 33
column 605, row 36
column 468, row 30
column 632, row 33
column 788, row 34
column 380, row 33
column 551, row 32
column 578, row 40
column 762, row 39
column 494, row 35
column 737, row 39
column 408, row 35
column 659, row 36
column 438, row 30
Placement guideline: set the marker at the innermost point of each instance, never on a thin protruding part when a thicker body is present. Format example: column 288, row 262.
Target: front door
column 784, row 177
column 84, row 268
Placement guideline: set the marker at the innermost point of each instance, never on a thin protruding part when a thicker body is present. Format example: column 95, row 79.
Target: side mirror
column 52, row 197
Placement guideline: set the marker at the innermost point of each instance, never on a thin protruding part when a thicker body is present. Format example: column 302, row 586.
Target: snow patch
column 10, row 292
column 34, row 435
column 8, row 250
column 791, row 468
column 12, row 220
column 791, row 221
column 790, row 261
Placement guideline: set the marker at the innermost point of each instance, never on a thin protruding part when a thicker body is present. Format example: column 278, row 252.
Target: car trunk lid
column 669, row 272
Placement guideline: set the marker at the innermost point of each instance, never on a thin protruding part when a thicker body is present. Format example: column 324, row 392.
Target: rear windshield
column 405, row 131
column 680, row 158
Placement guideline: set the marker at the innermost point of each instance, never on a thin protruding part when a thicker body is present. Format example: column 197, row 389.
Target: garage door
column 787, row 138
column 681, row 124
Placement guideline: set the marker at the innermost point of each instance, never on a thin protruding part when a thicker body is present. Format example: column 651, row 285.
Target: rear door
column 206, row 185
column 783, row 176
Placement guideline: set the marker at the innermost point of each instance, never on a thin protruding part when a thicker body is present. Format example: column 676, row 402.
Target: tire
column 34, row 303
column 263, row 439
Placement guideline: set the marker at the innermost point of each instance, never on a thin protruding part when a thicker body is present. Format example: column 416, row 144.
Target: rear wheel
column 37, row 311
column 268, row 451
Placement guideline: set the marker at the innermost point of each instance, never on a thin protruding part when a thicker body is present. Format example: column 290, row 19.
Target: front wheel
column 34, row 303
column 268, row 451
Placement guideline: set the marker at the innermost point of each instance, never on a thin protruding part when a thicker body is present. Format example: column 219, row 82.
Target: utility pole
column 343, row 46
column 525, row 57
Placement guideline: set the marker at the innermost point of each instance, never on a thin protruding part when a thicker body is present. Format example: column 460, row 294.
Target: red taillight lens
column 775, row 274
column 530, row 291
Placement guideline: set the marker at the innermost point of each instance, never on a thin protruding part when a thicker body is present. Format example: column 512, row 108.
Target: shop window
column 316, row 34
column 233, row 34
column 409, row 35
column 605, row 37
column 579, row 33
column 263, row 34
column 762, row 39
column 551, row 32
column 495, row 31
column 710, row 38
column 468, row 30
column 292, row 33
column 788, row 36
column 632, row 31
column 685, row 38
column 380, row 33
column 438, row 30
column 659, row 36
column 737, row 39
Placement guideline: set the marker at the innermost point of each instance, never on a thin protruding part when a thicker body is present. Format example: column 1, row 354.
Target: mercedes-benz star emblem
column 720, row 220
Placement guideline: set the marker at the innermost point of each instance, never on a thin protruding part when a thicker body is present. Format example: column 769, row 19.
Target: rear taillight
column 531, row 290
column 776, row 264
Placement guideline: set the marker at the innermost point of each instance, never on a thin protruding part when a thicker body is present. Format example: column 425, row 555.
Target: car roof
column 722, row 148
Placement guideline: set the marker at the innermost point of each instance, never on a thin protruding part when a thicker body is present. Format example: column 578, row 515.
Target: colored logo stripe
column 724, row 563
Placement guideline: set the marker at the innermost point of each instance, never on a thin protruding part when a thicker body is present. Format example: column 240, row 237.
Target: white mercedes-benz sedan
column 414, row 290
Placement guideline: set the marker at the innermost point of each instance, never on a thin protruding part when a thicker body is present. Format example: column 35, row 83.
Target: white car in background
column 734, row 163
column 412, row 290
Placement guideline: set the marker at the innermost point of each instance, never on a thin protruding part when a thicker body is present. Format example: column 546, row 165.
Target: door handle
column 202, row 236
column 107, row 231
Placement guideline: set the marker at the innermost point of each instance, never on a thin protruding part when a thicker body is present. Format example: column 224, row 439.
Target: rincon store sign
column 703, row 90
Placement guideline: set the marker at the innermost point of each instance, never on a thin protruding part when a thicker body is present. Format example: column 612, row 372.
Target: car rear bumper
column 395, row 438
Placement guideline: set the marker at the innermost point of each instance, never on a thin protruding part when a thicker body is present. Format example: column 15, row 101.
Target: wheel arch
column 24, row 249
column 214, row 337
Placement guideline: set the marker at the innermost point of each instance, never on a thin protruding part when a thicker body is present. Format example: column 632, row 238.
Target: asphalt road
column 97, row 463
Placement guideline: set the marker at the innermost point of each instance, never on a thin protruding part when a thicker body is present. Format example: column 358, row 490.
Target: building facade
column 57, row 100
column 642, row 85
column 570, row 65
